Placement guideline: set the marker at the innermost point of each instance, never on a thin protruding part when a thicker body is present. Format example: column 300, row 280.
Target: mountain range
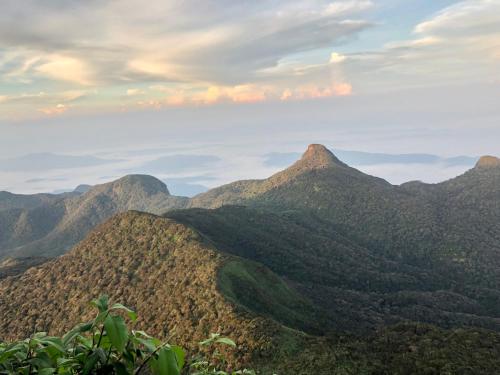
column 318, row 269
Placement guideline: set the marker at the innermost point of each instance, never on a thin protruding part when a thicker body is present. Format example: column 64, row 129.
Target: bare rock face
column 488, row 162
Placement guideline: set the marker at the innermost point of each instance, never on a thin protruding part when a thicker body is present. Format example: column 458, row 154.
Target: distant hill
column 49, row 225
column 22, row 201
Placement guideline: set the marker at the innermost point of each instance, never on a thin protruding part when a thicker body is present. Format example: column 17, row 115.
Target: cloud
column 370, row 159
column 46, row 103
column 181, row 163
column 64, row 68
column 249, row 93
column 220, row 42
column 57, row 110
column 226, row 51
column 313, row 91
column 336, row 58
column 466, row 18
column 457, row 45
column 48, row 161
column 134, row 92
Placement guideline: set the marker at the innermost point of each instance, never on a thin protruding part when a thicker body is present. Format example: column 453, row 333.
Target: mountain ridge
column 53, row 226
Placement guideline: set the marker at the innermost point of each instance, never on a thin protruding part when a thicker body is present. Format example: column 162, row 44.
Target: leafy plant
column 106, row 346
column 203, row 366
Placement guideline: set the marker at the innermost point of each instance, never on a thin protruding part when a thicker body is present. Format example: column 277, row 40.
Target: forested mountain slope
column 180, row 285
column 49, row 226
column 184, row 287
column 355, row 288
column 451, row 227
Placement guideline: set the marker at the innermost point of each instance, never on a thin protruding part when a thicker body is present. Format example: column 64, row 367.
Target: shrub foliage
column 105, row 345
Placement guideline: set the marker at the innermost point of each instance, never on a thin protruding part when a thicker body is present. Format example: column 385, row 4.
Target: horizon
column 386, row 166
column 246, row 79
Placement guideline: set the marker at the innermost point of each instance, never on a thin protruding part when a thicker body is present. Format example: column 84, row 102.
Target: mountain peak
column 488, row 162
column 318, row 156
column 148, row 184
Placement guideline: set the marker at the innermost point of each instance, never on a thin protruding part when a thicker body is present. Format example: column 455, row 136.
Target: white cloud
column 336, row 58
column 458, row 45
column 134, row 92
column 340, row 8
column 65, row 68
column 217, row 42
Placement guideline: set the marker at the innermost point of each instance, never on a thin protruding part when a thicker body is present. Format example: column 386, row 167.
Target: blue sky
column 393, row 76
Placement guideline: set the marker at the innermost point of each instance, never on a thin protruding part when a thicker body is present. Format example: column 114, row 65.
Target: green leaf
column 53, row 342
column 149, row 344
column 226, row 341
column 101, row 303
column 80, row 328
column 165, row 362
column 47, row 371
column 116, row 331
column 131, row 313
column 180, row 354
column 90, row 363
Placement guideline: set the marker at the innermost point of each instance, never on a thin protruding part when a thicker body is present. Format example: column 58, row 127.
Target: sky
column 91, row 90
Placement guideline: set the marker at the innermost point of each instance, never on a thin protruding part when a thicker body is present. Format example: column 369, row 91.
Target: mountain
column 47, row 226
column 411, row 221
column 488, row 162
column 178, row 282
column 22, row 201
column 184, row 287
column 354, row 289
column 426, row 252
column 82, row 188
column 318, row 269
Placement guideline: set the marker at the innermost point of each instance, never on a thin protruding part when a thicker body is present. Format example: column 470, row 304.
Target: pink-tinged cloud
column 54, row 111
column 249, row 93
column 313, row 91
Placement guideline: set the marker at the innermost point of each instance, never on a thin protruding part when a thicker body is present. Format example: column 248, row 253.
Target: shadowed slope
column 357, row 289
